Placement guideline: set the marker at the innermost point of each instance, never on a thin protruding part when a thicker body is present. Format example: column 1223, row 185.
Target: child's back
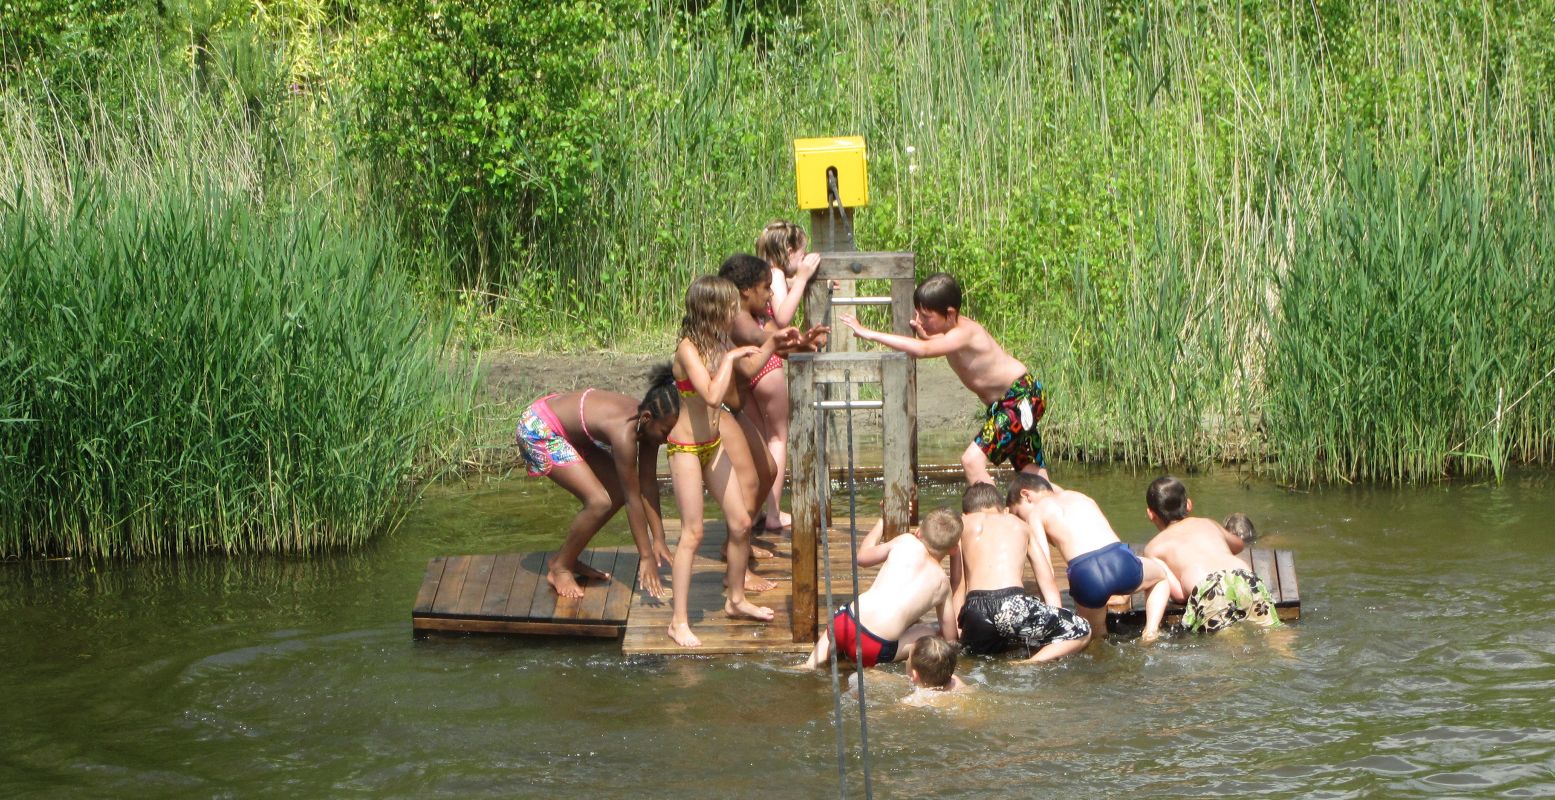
column 909, row 584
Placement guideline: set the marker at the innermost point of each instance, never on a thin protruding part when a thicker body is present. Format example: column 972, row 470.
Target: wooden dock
column 508, row 594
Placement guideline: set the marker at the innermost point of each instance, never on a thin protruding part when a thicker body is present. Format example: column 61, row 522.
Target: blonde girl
column 782, row 245
column 703, row 368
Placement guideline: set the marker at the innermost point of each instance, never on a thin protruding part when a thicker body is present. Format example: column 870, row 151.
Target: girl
column 602, row 447
column 703, row 369
column 782, row 246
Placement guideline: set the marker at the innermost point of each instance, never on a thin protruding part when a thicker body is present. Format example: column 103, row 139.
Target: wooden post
column 902, row 289
column 828, row 234
column 807, row 461
column 900, row 482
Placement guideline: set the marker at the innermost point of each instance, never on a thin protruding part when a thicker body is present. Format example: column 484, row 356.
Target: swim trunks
column 1010, row 426
column 541, row 440
column 1098, row 575
column 704, row 451
column 995, row 620
column 773, row 364
column 1226, row 597
column 845, row 629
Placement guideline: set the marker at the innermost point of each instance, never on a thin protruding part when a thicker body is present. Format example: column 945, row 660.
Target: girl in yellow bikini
column 703, row 367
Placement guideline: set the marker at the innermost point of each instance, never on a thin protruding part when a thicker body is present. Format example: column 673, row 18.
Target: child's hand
column 648, row 577
column 816, row 337
column 809, row 264
column 743, row 351
column 852, row 322
column 917, row 328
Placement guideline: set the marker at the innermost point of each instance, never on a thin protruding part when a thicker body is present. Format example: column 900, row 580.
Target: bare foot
column 562, row 581
column 683, row 636
column 756, row 552
column 745, row 609
column 589, row 573
column 753, row 583
column 781, row 521
column 1149, row 636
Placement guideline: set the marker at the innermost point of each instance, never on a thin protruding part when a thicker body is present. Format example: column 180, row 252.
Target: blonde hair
column 779, row 239
column 711, row 304
column 934, row 659
column 940, row 530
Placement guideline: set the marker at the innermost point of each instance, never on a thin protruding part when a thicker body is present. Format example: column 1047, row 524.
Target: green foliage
column 486, row 117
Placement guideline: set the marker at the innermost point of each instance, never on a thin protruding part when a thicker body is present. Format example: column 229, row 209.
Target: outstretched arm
column 932, row 347
column 626, row 452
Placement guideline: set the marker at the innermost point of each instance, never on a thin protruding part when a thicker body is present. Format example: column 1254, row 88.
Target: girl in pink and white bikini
column 602, row 447
column 782, row 245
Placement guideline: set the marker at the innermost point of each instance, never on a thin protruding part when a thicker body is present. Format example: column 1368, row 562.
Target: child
column 1241, row 525
column 883, row 621
column 1013, row 397
column 932, row 665
column 1202, row 555
column 602, row 447
column 1100, row 566
column 782, row 247
column 766, row 386
column 995, row 612
column 703, row 367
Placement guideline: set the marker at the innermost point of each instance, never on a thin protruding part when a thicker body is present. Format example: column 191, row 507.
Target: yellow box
column 812, row 159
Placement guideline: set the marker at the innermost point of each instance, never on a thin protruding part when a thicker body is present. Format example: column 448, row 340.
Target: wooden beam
column 843, row 266
column 807, row 460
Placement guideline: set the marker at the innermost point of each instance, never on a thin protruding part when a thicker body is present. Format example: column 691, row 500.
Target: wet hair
column 934, row 659
column 711, row 303
column 662, row 399
column 940, row 530
column 779, row 239
column 980, row 497
column 1168, row 498
column 938, row 292
column 745, row 271
column 1241, row 525
column 1026, row 482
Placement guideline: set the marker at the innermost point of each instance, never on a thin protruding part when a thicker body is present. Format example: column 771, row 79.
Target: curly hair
column 711, row 304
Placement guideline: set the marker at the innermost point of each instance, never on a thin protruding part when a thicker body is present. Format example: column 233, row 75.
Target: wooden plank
column 542, row 598
column 899, row 484
column 808, row 465
column 1285, row 564
column 619, row 598
column 429, row 584
column 1247, row 556
column 452, row 585
column 531, row 627
column 504, row 571
column 835, row 367
column 1263, row 567
column 526, row 584
column 845, row 266
column 476, row 576
column 592, row 606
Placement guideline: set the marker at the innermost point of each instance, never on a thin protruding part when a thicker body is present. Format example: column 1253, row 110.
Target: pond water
column 1423, row 666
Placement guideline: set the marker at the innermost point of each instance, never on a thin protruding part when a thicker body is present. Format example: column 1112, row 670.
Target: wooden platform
column 508, row 594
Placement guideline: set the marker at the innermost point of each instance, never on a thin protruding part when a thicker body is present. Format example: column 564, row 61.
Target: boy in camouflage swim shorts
column 1221, row 590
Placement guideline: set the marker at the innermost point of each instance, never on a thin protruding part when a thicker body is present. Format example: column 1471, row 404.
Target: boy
column 1100, row 566
column 1241, row 525
column 1012, row 396
column 1202, row 555
column 910, row 582
column 996, row 614
column 932, row 665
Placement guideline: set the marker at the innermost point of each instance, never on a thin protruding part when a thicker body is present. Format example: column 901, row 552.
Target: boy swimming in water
column 883, row 621
column 1202, row 555
column 1100, row 566
column 1013, row 398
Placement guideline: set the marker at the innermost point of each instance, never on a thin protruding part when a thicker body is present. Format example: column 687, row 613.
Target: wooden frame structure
column 808, row 376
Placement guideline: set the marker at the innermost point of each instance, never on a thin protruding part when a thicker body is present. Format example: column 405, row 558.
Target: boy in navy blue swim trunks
column 1012, row 399
column 1100, row 566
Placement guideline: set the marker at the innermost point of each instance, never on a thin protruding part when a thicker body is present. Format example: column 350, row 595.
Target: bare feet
column 753, row 582
column 562, row 581
column 589, row 573
column 745, row 609
column 683, row 636
column 781, row 521
column 756, row 552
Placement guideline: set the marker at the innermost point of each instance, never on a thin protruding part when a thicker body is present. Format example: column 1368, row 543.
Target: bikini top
column 685, row 387
column 583, row 421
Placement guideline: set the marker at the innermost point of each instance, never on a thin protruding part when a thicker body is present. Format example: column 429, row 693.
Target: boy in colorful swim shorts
column 883, row 621
column 1012, row 398
column 1222, row 591
column 995, row 613
column 1100, row 566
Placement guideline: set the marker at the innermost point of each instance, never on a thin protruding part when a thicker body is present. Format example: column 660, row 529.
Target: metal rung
column 832, row 405
column 861, row 301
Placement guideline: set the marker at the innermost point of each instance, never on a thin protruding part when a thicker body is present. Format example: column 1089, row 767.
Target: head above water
column 711, row 305
column 778, row 242
column 1167, row 500
column 1241, row 525
column 932, row 662
column 941, row 529
column 1026, row 482
column 938, row 293
column 981, row 497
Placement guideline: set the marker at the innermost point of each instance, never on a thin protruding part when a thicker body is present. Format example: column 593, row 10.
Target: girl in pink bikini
column 703, row 368
column 602, row 447
column 782, row 245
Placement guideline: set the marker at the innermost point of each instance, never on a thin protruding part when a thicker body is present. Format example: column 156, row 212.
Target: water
column 1423, row 666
